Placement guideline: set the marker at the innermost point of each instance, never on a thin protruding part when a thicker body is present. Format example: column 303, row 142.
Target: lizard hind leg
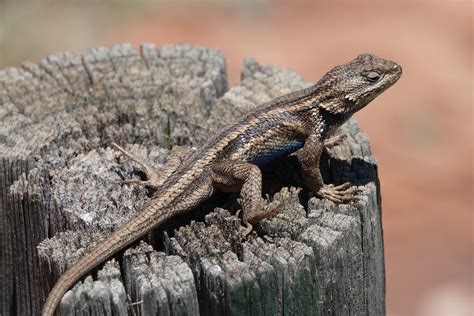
column 155, row 180
column 247, row 176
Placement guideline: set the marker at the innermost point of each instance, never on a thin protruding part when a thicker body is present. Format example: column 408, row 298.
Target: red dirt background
column 420, row 130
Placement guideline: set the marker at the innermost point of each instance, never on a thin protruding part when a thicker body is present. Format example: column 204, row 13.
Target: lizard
column 302, row 123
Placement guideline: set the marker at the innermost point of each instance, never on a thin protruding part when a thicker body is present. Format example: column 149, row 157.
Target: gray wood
column 60, row 194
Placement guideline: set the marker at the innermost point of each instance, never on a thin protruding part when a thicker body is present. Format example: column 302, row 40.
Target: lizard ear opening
column 332, row 99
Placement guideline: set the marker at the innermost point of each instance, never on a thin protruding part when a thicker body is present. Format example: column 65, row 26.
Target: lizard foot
column 334, row 141
column 153, row 178
column 343, row 193
column 268, row 211
column 245, row 231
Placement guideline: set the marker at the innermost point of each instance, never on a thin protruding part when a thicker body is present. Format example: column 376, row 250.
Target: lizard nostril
column 396, row 68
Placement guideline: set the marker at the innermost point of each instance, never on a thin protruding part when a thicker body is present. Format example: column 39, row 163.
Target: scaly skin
column 301, row 122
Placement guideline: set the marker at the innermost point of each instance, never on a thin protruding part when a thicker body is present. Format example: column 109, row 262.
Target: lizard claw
column 343, row 193
column 146, row 183
column 334, row 141
column 268, row 211
column 153, row 181
column 245, row 231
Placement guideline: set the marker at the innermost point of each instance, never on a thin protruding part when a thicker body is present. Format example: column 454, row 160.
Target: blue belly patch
column 271, row 154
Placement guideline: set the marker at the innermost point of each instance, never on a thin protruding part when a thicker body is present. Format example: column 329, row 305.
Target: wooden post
column 60, row 194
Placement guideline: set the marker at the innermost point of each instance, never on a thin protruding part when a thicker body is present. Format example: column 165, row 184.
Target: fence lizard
column 301, row 122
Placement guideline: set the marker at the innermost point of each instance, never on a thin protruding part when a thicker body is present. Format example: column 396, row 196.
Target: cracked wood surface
column 60, row 195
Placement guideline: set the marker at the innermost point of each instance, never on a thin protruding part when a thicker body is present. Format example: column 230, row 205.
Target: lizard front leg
column 154, row 179
column 232, row 175
column 308, row 158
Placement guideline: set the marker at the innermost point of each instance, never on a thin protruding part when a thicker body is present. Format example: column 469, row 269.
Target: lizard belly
column 275, row 151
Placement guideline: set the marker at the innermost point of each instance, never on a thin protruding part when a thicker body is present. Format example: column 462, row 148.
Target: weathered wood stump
column 60, row 194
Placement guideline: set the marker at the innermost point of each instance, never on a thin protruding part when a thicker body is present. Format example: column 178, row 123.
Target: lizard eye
column 373, row 76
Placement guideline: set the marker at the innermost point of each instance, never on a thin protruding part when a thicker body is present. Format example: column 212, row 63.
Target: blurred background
column 421, row 130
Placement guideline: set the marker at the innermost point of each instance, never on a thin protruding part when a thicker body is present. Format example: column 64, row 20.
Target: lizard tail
column 126, row 234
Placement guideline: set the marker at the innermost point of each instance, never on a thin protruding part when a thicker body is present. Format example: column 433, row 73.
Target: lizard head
column 348, row 88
